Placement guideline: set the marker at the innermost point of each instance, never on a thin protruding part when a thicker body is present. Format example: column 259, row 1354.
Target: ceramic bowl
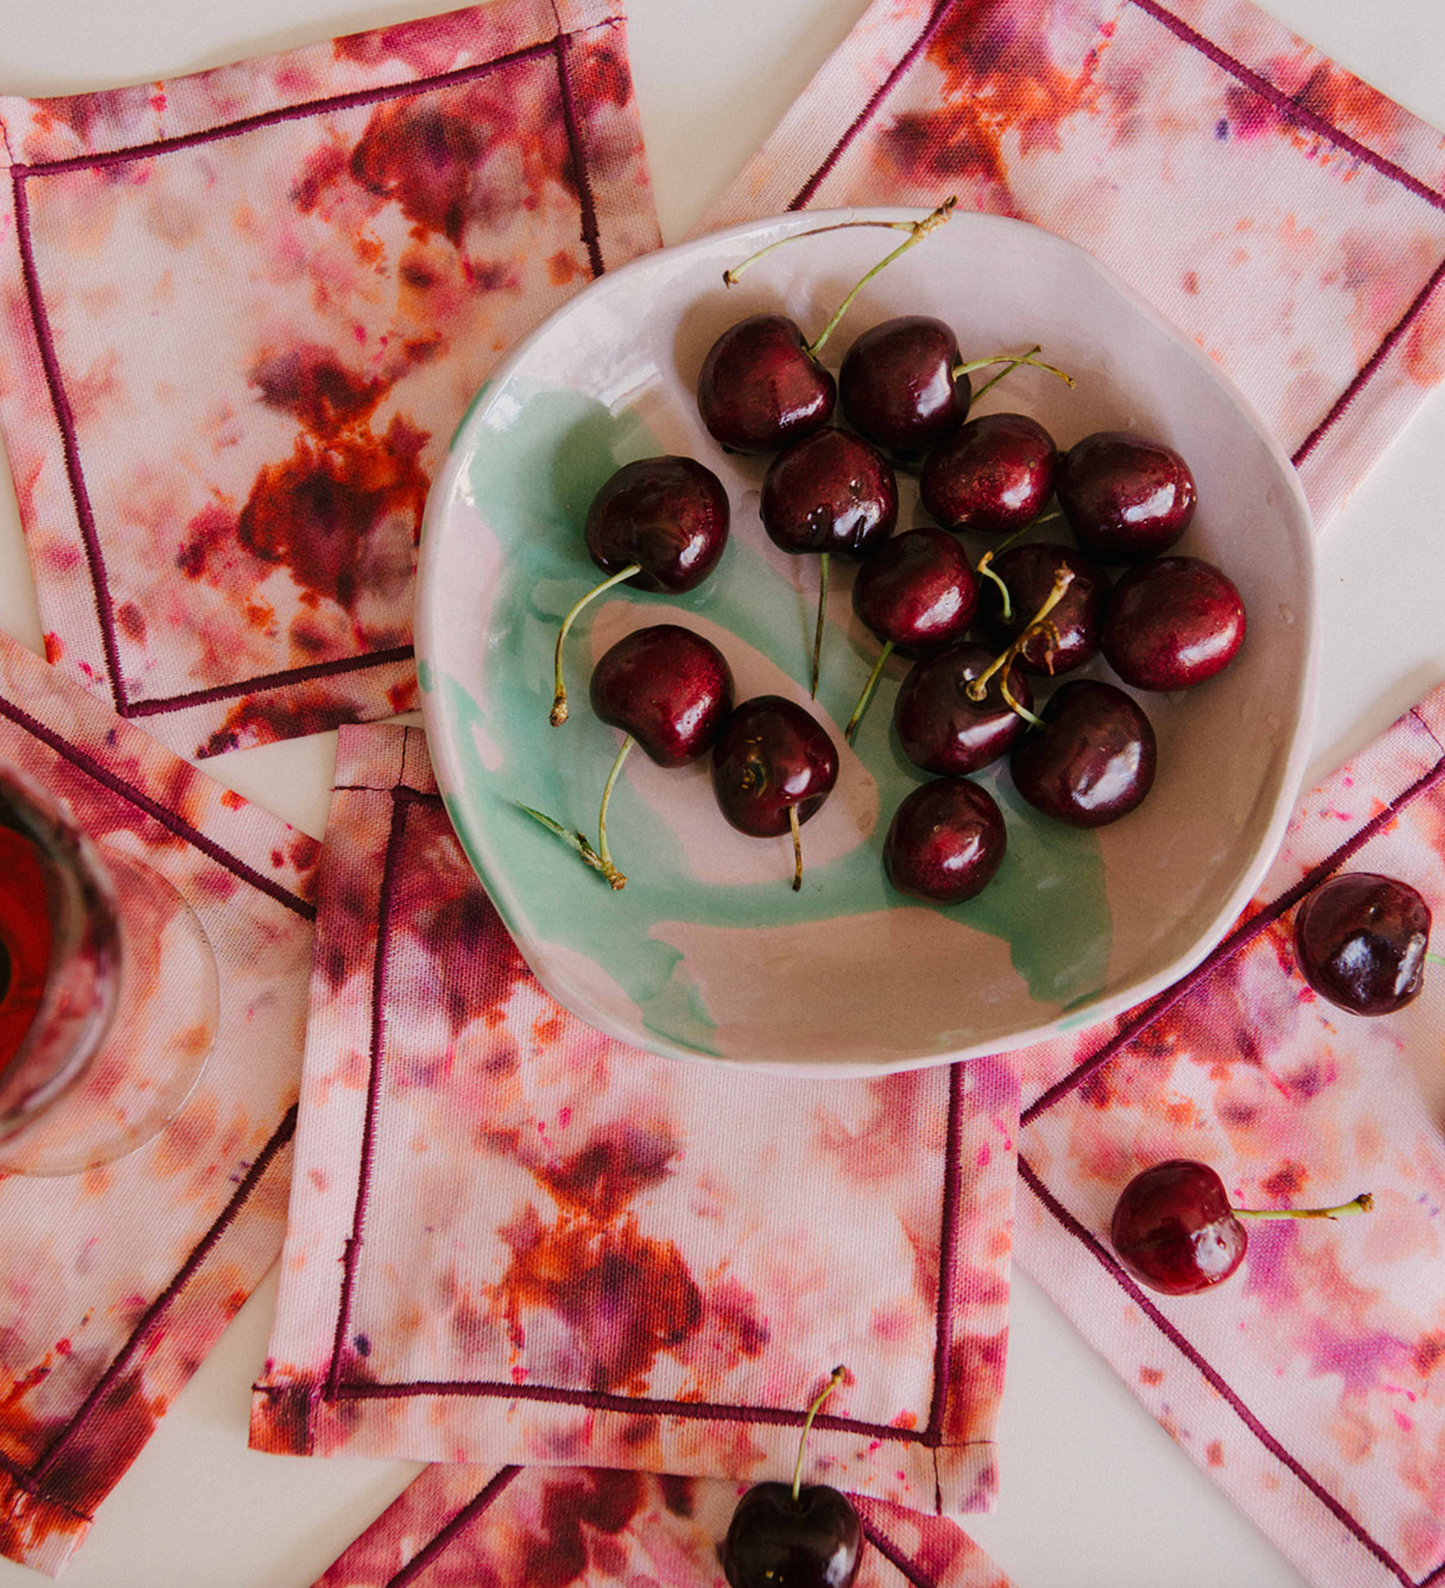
column 708, row 953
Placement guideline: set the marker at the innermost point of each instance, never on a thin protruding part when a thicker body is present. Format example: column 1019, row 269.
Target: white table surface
column 1094, row 1494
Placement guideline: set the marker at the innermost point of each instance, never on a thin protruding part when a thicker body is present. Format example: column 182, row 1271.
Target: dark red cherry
column 773, row 765
column 668, row 516
column 1172, row 623
column 940, row 728
column 659, row 524
column 1093, row 760
column 667, row 687
column 918, row 591
column 761, row 387
column 777, row 1541
column 1360, row 940
column 945, row 842
column 1030, row 572
column 995, row 474
column 897, row 383
column 830, row 492
column 1125, row 497
column 1174, row 1230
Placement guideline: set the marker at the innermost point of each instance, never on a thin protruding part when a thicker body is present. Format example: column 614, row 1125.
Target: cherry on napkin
column 512, row 1238
column 114, row 1284
column 1278, row 210
column 244, row 313
column 525, row 1527
column 1311, row 1384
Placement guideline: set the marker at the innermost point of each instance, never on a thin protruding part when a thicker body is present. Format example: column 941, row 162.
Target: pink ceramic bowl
column 708, row 954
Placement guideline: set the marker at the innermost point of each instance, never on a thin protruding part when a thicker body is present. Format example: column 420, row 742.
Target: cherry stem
column 1361, row 1204
column 868, row 689
column 978, row 688
column 574, row 840
column 730, row 277
column 1436, row 959
column 1013, row 361
column 838, row 1375
column 604, row 855
column 559, row 695
column 818, row 629
column 918, row 230
column 985, row 563
column 797, row 849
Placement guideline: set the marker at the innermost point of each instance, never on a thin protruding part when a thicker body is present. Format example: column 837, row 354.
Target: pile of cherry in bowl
column 986, row 637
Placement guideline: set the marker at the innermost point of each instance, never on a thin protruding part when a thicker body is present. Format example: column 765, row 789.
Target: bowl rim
column 1093, row 1013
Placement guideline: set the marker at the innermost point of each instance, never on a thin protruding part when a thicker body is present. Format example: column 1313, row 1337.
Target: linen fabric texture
column 1311, row 1385
column 1279, row 211
column 244, row 312
column 519, row 1527
column 104, row 1315
column 513, row 1238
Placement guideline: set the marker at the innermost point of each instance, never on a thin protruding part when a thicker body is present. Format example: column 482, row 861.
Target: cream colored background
column 1094, row 1494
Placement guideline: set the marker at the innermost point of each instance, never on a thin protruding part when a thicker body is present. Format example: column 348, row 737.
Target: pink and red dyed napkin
column 243, row 314
column 104, row 1315
column 1278, row 210
column 1311, row 1386
column 514, row 1239
column 523, row 1527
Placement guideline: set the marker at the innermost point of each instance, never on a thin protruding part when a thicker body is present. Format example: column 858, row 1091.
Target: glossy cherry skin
column 918, row 590
column 1029, row 571
column 940, row 728
column 831, row 491
column 897, row 384
column 1172, row 623
column 775, row 1541
column 1126, row 498
column 669, row 688
column 669, row 514
column 770, row 755
column 1094, row 759
column 761, row 388
column 994, row 475
column 1174, row 1231
column 946, row 841
column 1360, row 941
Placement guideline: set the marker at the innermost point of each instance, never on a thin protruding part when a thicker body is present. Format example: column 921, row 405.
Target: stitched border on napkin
column 247, row 309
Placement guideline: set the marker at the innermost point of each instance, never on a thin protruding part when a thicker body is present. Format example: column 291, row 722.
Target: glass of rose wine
column 109, row 995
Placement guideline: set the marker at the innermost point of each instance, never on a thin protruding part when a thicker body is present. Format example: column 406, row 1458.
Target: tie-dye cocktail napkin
column 115, row 1283
column 514, row 1239
column 1278, row 210
column 1310, row 1385
column 519, row 1527
column 245, row 311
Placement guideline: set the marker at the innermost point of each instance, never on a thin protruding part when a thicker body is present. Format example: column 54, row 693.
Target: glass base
column 150, row 1061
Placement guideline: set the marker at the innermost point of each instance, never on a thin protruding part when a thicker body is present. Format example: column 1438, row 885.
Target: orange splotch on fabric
column 1424, row 351
column 999, row 79
column 903, row 1122
column 265, row 718
column 975, row 1362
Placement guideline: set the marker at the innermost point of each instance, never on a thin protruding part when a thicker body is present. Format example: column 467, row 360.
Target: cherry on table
column 946, row 841
column 941, row 728
column 1017, row 582
column 773, row 765
column 1172, row 623
column 1360, row 941
column 830, row 492
column 669, row 690
column 794, row 1535
column 1126, row 497
column 995, row 475
column 658, row 524
column 917, row 593
column 1174, row 1230
column 1094, row 759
